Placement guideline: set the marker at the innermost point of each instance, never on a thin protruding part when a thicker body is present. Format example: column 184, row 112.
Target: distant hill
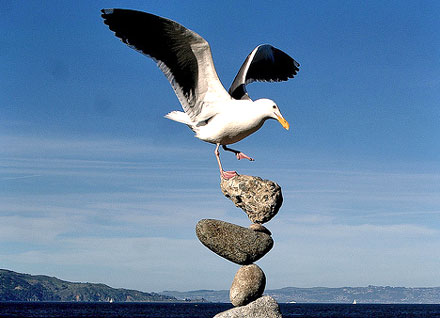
column 370, row 294
column 213, row 296
column 23, row 287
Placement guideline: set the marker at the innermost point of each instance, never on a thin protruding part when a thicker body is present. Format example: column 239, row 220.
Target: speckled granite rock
column 260, row 199
column 263, row 307
column 235, row 243
column 247, row 286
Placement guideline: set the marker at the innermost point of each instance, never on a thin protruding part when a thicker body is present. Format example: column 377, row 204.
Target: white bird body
column 236, row 120
column 214, row 114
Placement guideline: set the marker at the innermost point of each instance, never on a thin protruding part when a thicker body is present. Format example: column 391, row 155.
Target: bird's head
column 272, row 111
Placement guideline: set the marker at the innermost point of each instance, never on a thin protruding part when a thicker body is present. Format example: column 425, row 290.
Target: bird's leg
column 224, row 174
column 238, row 154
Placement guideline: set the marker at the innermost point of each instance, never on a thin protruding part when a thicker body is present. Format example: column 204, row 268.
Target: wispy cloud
column 155, row 263
column 67, row 205
column 21, row 177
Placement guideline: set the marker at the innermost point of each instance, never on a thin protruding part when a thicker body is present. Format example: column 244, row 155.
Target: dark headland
column 23, row 287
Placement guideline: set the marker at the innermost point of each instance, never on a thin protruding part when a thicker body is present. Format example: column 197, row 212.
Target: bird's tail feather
column 179, row 116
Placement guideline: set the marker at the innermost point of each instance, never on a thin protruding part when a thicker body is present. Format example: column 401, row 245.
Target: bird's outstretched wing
column 264, row 64
column 182, row 55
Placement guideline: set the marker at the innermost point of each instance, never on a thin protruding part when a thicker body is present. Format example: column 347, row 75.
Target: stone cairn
column 261, row 200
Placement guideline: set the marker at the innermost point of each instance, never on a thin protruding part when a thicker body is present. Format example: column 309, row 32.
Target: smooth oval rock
column 235, row 243
column 248, row 285
column 263, row 307
column 259, row 199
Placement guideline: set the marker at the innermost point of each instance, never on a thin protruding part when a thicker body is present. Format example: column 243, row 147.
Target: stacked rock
column 261, row 200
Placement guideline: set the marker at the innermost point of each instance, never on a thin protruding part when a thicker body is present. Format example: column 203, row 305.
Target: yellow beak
column 283, row 122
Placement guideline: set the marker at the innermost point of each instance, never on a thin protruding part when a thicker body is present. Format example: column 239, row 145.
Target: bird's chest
column 227, row 130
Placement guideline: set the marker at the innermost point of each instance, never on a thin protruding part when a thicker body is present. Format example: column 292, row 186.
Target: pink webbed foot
column 241, row 155
column 228, row 174
column 238, row 154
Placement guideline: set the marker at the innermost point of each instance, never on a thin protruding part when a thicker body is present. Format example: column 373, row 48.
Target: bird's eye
column 274, row 107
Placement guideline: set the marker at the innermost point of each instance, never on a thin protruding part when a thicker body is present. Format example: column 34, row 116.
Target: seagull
column 215, row 115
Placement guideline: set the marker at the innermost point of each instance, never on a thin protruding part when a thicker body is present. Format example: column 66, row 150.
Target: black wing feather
column 276, row 66
column 264, row 64
column 162, row 39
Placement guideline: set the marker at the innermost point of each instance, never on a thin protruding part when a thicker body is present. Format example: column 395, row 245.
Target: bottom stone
column 263, row 307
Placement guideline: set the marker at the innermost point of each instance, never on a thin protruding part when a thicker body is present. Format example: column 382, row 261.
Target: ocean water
column 208, row 310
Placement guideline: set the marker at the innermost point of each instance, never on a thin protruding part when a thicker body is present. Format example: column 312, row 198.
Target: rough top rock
column 260, row 199
column 235, row 243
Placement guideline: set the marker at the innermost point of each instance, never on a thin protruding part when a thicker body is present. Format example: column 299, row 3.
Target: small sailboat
column 354, row 302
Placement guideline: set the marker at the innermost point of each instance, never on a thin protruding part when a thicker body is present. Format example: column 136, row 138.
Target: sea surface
column 207, row 310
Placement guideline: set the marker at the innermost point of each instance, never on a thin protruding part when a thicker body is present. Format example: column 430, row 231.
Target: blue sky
column 95, row 185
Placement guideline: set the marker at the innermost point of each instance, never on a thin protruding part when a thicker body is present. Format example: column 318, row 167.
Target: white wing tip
column 107, row 11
